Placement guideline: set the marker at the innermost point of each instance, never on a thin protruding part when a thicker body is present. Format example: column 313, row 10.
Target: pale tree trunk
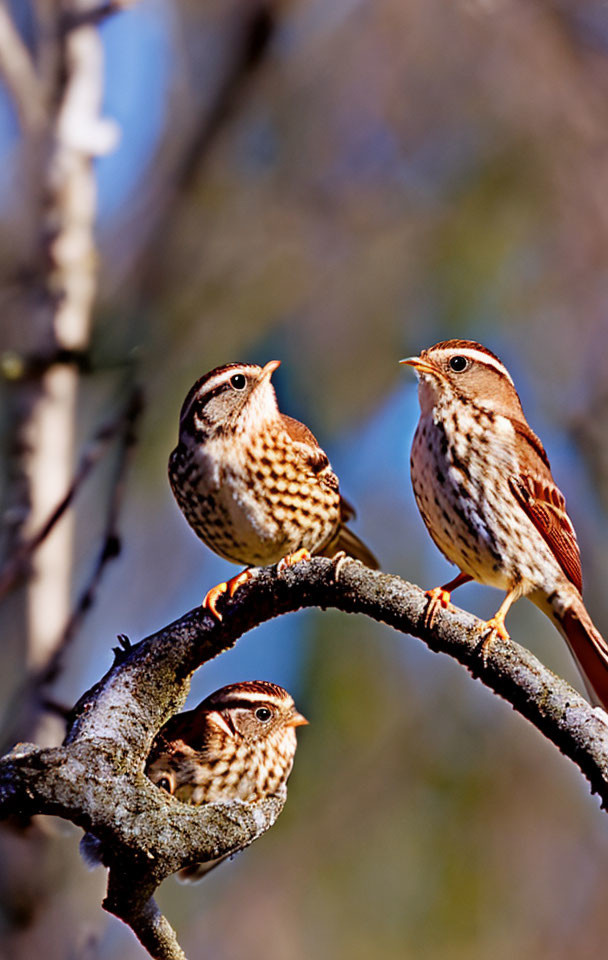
column 77, row 135
column 58, row 99
column 62, row 133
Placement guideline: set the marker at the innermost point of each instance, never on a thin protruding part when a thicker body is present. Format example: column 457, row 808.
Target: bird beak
column 422, row 367
column 268, row 370
column 419, row 365
column 297, row 720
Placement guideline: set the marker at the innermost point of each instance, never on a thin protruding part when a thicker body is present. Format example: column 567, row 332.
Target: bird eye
column 263, row 714
column 165, row 784
column 238, row 381
column 458, row 364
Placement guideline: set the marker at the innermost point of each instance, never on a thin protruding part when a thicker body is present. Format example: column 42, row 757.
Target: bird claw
column 122, row 651
column 230, row 587
column 496, row 628
column 338, row 561
column 292, row 558
column 211, row 598
column 438, row 597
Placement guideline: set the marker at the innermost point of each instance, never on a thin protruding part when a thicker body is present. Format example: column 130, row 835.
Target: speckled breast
column 255, row 504
column 460, row 469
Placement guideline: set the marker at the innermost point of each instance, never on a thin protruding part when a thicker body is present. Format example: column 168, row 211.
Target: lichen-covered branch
column 96, row 778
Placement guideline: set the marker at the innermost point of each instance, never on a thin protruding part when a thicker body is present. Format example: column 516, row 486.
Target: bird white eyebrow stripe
column 480, row 357
column 245, row 697
column 219, row 380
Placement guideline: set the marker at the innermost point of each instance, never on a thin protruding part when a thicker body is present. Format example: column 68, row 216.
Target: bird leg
column 440, row 597
column 292, row 558
column 230, row 587
column 496, row 625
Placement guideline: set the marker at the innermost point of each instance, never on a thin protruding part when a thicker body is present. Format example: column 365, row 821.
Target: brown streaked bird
column 254, row 484
column 238, row 744
column 483, row 485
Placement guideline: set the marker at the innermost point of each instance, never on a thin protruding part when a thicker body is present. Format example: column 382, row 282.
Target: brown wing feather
column 316, row 458
column 535, row 447
column 318, row 461
column 300, row 433
column 546, row 507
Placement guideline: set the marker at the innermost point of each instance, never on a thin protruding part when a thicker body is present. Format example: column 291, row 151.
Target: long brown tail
column 586, row 643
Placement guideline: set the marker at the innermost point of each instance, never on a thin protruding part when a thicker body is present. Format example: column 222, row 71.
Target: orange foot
column 212, row 596
column 496, row 628
column 291, row 559
column 438, row 597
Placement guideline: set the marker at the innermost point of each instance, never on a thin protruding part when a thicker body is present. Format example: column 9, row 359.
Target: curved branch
column 510, row 670
column 96, row 778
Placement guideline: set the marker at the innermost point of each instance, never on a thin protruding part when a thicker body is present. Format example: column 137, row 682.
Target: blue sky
column 138, row 59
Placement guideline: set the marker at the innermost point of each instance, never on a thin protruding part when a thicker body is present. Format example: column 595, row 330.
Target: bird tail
column 351, row 544
column 197, row 871
column 586, row 644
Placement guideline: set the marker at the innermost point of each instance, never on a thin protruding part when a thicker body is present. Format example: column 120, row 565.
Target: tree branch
column 17, row 564
column 96, row 778
column 17, row 69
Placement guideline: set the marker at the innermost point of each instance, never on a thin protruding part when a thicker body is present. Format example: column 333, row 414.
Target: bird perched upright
column 483, row 485
column 238, row 744
column 253, row 483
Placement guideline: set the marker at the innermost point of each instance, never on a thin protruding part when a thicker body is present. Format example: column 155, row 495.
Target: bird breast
column 251, row 500
column 461, row 463
column 241, row 770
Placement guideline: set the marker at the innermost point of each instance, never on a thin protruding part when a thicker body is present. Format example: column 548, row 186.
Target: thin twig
column 17, row 565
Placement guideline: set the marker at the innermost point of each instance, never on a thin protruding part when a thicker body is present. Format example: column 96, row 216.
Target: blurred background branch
column 17, row 69
column 16, row 566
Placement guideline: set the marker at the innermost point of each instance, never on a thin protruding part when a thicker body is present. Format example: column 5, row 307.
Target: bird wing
column 313, row 456
column 318, row 462
column 537, row 493
column 545, row 505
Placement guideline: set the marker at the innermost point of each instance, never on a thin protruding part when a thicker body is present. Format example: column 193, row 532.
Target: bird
column 483, row 485
column 238, row 744
column 253, row 483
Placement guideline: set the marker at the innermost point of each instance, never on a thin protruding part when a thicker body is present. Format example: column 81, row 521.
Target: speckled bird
column 253, row 483
column 484, row 487
column 238, row 744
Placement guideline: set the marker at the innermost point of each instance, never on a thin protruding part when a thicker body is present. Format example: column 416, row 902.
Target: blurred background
column 335, row 184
